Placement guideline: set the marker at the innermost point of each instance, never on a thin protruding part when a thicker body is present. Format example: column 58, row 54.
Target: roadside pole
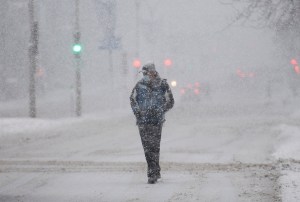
column 137, row 35
column 33, row 52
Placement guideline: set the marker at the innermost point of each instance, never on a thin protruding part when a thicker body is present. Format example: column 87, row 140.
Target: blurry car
column 194, row 92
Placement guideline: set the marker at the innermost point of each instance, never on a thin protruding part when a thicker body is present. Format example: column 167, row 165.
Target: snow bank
column 288, row 143
column 290, row 183
column 287, row 149
column 23, row 125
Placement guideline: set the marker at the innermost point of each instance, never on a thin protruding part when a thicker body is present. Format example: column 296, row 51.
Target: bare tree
column 277, row 14
column 281, row 16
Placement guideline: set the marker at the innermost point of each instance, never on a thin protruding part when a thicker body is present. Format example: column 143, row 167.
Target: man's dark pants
column 151, row 136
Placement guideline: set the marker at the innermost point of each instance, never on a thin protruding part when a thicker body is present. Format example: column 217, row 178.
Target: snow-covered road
column 100, row 158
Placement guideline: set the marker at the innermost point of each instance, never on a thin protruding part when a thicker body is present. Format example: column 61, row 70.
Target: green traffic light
column 77, row 48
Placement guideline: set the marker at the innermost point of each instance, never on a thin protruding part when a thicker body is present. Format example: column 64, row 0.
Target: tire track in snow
column 73, row 166
column 246, row 180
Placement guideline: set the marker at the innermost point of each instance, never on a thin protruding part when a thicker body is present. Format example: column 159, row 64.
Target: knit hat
column 149, row 67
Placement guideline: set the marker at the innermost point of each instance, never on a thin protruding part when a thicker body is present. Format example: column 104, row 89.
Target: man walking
column 150, row 99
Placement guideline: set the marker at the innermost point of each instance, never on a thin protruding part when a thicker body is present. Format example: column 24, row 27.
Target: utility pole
column 3, row 60
column 137, row 7
column 33, row 52
column 111, row 68
column 77, row 51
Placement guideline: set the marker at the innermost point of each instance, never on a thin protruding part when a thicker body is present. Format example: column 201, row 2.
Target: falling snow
column 70, row 118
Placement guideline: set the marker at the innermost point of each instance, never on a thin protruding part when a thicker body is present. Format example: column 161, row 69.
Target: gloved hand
column 165, row 108
column 137, row 114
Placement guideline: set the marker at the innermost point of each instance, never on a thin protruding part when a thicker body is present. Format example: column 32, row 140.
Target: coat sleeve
column 134, row 105
column 169, row 97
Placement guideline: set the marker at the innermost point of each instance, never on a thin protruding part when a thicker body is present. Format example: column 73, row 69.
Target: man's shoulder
column 140, row 83
column 164, row 83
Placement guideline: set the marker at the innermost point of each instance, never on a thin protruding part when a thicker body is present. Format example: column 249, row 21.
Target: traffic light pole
column 77, row 61
column 78, row 87
column 33, row 51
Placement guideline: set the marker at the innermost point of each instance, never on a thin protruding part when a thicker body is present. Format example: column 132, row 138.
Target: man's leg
column 151, row 137
column 159, row 130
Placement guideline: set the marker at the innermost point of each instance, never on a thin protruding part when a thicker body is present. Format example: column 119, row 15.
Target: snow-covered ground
column 210, row 153
column 287, row 152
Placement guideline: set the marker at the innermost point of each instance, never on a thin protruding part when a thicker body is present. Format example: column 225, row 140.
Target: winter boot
column 152, row 180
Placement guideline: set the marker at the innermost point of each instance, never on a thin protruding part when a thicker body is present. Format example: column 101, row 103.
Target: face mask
column 146, row 78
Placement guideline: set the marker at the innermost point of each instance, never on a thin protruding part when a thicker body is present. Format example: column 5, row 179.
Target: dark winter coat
column 150, row 100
